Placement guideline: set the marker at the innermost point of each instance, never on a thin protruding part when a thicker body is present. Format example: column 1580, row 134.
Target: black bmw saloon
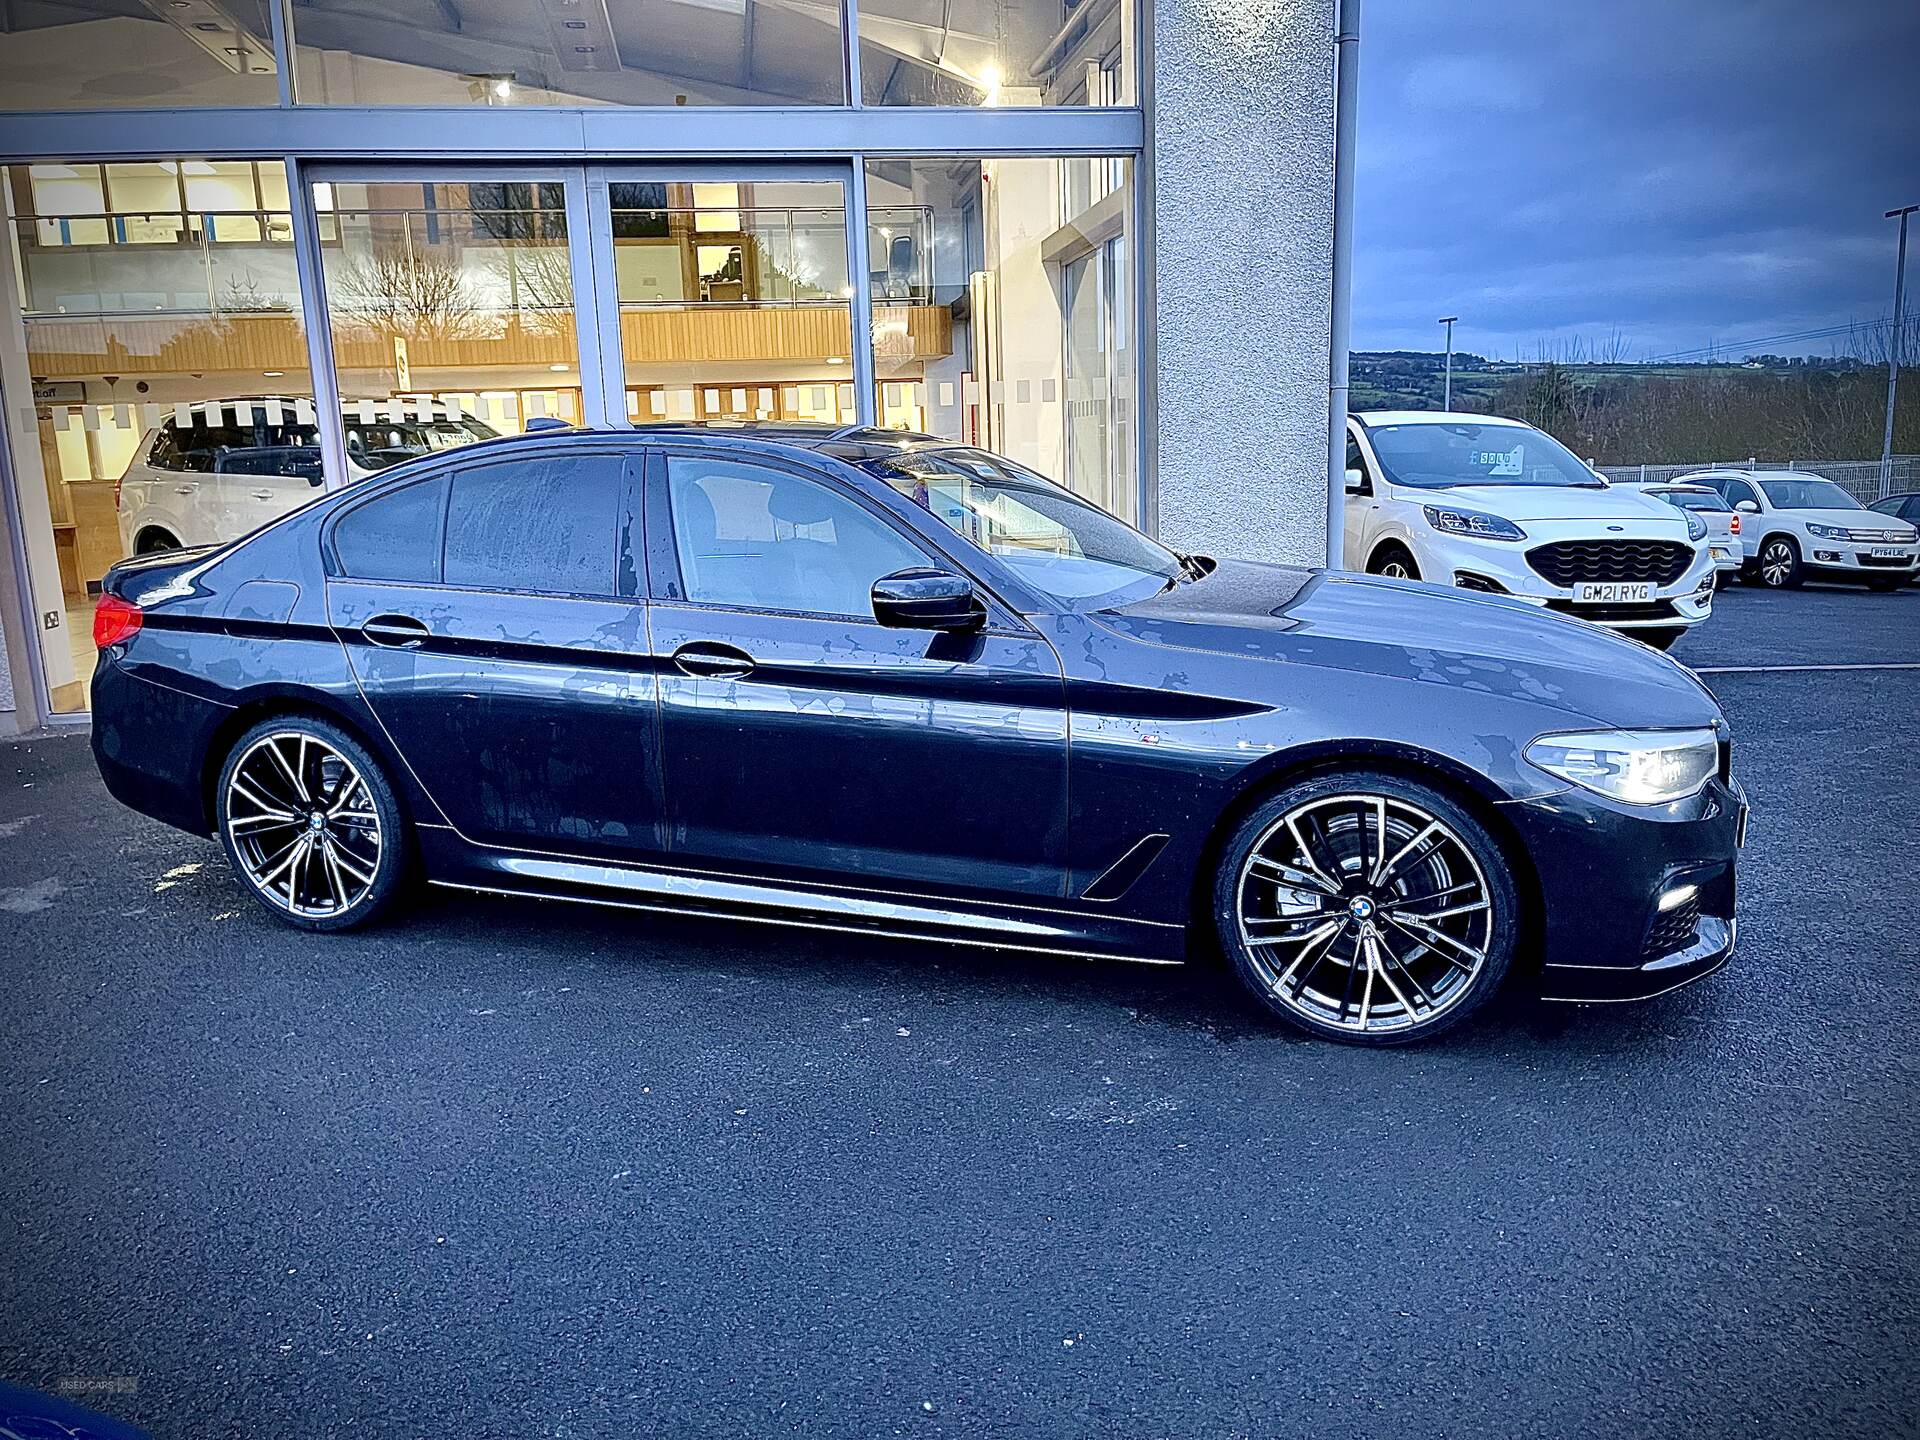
column 862, row 680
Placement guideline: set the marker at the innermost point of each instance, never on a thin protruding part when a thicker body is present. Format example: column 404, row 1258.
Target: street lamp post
column 1447, row 320
column 1893, row 350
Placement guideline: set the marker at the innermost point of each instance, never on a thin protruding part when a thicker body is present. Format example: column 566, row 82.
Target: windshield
column 1433, row 456
column 1069, row 550
column 377, row 446
column 1808, row 493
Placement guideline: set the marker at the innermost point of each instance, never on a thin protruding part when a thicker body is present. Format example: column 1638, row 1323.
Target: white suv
column 1797, row 524
column 236, row 464
column 1490, row 504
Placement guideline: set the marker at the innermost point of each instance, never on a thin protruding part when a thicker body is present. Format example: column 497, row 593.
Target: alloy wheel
column 1395, row 570
column 1365, row 913
column 303, row 824
column 1776, row 563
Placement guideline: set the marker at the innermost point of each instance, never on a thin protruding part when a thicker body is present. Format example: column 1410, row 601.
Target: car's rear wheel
column 1886, row 585
column 1395, row 562
column 154, row 542
column 1366, row 908
column 1777, row 566
column 310, row 823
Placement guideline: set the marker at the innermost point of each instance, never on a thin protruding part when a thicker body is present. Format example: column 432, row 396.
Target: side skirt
column 675, row 892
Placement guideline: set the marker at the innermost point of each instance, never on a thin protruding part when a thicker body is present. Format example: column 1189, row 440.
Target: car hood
column 1420, row 632
column 1552, row 502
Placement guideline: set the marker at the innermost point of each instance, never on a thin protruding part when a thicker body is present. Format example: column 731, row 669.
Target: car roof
column 1741, row 473
column 1434, row 417
column 853, row 443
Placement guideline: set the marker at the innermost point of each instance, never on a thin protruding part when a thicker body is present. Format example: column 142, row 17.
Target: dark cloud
column 1675, row 173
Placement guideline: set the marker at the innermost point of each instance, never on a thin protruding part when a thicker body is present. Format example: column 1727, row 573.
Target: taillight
column 1736, row 526
column 114, row 621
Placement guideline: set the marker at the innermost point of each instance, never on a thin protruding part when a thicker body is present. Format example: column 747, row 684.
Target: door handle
column 186, row 489
column 400, row 632
column 263, row 494
column 711, row 660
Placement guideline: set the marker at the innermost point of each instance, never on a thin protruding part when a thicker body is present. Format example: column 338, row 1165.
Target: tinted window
column 1912, row 512
column 394, row 537
column 545, row 524
column 1736, row 491
column 767, row 540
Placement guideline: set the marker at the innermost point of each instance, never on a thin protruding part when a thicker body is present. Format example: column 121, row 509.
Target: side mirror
column 927, row 599
column 1747, row 507
column 1356, row 481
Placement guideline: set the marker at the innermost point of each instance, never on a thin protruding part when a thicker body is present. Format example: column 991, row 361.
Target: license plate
column 1618, row 592
column 1888, row 552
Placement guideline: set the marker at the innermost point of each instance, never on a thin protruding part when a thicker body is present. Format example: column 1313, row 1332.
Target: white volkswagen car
column 1490, row 504
column 215, row 471
column 1795, row 525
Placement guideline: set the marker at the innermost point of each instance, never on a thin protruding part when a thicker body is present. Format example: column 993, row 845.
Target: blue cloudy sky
column 1679, row 173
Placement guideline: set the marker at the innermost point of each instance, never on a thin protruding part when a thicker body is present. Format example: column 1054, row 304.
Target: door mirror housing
column 1357, row 481
column 927, row 599
column 1747, row 507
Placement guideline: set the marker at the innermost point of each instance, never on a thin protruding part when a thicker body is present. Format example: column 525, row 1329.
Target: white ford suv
column 1490, row 504
column 216, row 470
column 1795, row 525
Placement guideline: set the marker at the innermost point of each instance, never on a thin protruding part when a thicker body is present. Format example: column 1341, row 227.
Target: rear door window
column 546, row 524
column 394, row 537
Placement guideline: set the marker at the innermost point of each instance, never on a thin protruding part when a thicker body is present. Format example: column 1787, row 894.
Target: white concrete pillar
column 1240, row 150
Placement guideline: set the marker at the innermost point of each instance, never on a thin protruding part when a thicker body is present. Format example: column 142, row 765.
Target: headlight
column 1829, row 532
column 1641, row 767
column 1472, row 522
column 1696, row 527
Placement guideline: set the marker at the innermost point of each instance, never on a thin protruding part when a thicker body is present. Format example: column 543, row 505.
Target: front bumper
column 1851, row 558
column 1603, row 867
column 1500, row 568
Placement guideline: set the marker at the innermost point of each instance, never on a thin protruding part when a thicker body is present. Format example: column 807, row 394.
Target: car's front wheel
column 1396, row 562
column 310, row 823
column 1366, row 908
column 1777, row 566
column 1664, row 638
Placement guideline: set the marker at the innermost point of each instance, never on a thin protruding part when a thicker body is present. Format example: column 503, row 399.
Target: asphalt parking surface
column 513, row 1169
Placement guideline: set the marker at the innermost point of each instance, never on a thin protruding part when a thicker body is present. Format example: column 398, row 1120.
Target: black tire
column 1245, row 881
column 154, row 542
column 1394, row 561
column 1776, row 566
column 1661, row 639
column 1886, row 585
column 1722, row 579
column 359, row 847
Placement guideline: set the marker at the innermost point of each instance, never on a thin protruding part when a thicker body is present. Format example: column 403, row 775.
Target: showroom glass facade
column 955, row 255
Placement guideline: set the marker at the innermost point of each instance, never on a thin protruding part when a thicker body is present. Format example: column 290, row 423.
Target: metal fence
column 1859, row 478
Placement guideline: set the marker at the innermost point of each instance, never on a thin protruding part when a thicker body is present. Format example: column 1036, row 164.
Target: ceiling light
column 836, row 359
column 559, row 369
column 273, row 374
column 503, row 88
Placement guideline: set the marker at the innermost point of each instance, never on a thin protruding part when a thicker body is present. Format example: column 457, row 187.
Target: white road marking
column 1793, row 669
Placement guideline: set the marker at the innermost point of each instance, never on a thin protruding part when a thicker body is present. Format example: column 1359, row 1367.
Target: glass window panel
column 623, row 52
column 995, row 52
column 734, row 300
column 765, row 540
column 544, row 525
column 395, row 537
column 166, row 396
column 184, row 53
column 999, row 324
column 452, row 313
